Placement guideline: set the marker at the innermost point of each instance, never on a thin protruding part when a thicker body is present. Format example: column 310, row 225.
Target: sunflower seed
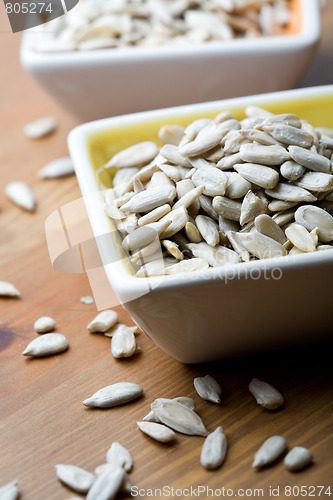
column 289, row 192
column 208, row 229
column 103, row 321
column 310, row 159
column 74, row 477
column 316, row 181
column 229, row 161
column 123, row 344
column 44, row 324
column 187, row 402
column 284, row 118
column 40, row 128
column 269, row 451
column 172, row 172
column 207, row 206
column 113, row 212
column 47, row 344
column 237, row 246
column 292, row 170
column 190, row 197
column 157, row 431
column 120, row 326
column 87, row 300
column 155, row 268
column 267, row 226
column 177, row 219
column 234, row 140
column 118, row 455
column 264, row 155
column 192, row 233
column 134, row 156
column 237, row 186
column 282, row 218
column 289, row 135
column 214, row 181
column 214, row 450
column 192, row 130
column 252, row 206
column 178, row 417
column 187, row 266
column 208, row 388
column 113, row 395
column 10, row 491
column 171, row 134
column 61, row 167
column 300, row 237
column 140, row 237
column 311, row 217
column 159, row 178
column 124, row 174
column 253, row 111
column 107, row 485
column 154, row 215
column 215, row 256
column 279, row 205
column 172, row 154
column 20, row 194
column 150, row 199
column 205, row 141
column 8, row 290
column 298, row 458
column 230, row 209
column 261, row 175
column 265, row 394
column 173, row 249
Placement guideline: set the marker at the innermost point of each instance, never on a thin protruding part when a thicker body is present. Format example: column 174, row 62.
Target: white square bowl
column 225, row 311
column 109, row 82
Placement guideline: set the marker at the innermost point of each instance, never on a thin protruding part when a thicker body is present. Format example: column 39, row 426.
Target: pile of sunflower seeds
column 113, row 24
column 223, row 191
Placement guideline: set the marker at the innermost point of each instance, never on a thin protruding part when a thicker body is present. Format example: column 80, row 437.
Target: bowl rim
column 118, row 276
column 308, row 35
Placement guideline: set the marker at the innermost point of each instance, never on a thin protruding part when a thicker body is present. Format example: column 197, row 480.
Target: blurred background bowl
column 109, row 82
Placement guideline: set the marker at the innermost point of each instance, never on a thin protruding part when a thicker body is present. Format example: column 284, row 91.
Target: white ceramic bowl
column 110, row 82
column 224, row 311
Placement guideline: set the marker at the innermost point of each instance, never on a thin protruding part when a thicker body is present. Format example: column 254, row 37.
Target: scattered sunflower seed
column 20, row 194
column 10, row 491
column 47, row 344
column 40, row 128
column 44, row 324
column 113, row 395
column 157, row 431
column 265, row 394
column 178, row 417
column 74, row 477
column 87, row 300
column 269, row 451
column 214, row 449
column 298, row 458
column 107, row 485
column 208, row 388
column 8, row 290
column 118, row 454
column 123, row 344
column 61, row 167
column 103, row 321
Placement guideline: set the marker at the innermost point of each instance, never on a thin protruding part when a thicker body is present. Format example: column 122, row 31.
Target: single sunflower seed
column 214, row 449
column 103, row 321
column 178, row 417
column 10, row 491
column 107, row 485
column 298, row 458
column 20, row 194
column 113, row 395
column 264, row 155
column 261, row 175
column 119, row 455
column 300, row 237
column 47, row 344
column 311, row 217
column 208, row 388
column 187, row 266
column 44, row 324
column 264, row 224
column 269, row 451
column 61, row 167
column 157, row 431
column 40, row 128
column 74, row 477
column 8, row 290
column 215, row 256
column 123, row 343
column 133, row 156
column 265, row 394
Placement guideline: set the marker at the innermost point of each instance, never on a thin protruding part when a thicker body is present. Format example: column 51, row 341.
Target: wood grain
column 43, row 421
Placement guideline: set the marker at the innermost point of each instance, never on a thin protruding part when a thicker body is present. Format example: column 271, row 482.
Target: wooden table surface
column 43, row 421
